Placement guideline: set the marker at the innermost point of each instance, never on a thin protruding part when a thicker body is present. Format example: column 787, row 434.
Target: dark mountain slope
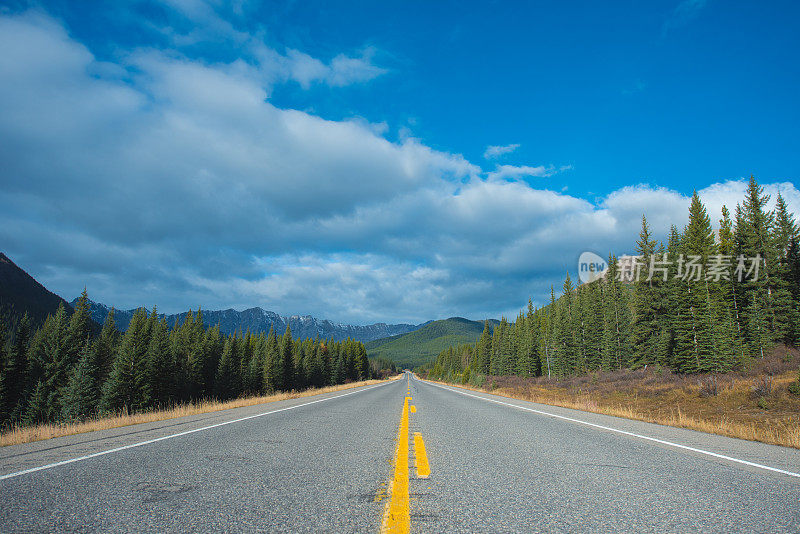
column 20, row 292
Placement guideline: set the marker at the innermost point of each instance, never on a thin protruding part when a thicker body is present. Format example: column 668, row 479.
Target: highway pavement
column 466, row 462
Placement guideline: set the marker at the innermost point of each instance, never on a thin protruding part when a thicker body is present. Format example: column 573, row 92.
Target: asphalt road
column 325, row 463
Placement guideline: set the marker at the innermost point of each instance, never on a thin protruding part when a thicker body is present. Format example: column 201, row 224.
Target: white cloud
column 512, row 172
column 341, row 71
column 495, row 151
column 206, row 25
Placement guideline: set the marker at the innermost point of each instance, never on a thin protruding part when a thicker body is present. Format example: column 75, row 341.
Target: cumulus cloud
column 180, row 184
column 306, row 70
column 513, row 172
column 193, row 23
column 495, row 151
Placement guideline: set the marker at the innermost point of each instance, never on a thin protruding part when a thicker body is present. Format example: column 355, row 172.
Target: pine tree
column 13, row 376
column 672, row 292
column 55, row 359
column 160, row 366
column 793, row 270
column 39, row 409
column 80, row 327
column 787, row 315
column 127, row 387
column 287, row 354
column 646, row 298
column 105, row 346
column 6, row 397
column 785, row 227
column 759, row 337
column 549, row 337
column 226, row 385
column 567, row 328
column 255, row 370
column 318, row 369
column 526, row 357
column 208, row 351
column 754, row 240
column 695, row 326
column 592, row 323
column 483, row 350
column 83, row 389
column 730, row 289
column 616, row 320
column 362, row 361
column 196, row 375
column 499, row 355
column 273, row 371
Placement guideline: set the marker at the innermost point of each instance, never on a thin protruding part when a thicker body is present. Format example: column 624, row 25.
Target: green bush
column 477, row 379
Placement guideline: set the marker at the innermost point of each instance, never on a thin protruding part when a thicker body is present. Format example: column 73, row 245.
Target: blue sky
column 384, row 161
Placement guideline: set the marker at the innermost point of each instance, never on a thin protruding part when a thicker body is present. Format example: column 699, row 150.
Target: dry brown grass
column 737, row 404
column 23, row 434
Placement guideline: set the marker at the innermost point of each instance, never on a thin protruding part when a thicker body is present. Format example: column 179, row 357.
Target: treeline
column 674, row 314
column 62, row 372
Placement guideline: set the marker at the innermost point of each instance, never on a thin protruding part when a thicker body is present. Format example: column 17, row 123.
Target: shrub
column 477, row 379
column 708, row 387
column 762, row 403
column 761, row 388
column 794, row 387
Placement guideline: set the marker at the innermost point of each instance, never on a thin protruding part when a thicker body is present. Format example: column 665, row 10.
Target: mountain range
column 406, row 344
column 258, row 320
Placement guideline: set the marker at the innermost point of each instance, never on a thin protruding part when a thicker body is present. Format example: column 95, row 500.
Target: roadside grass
column 753, row 404
column 24, row 434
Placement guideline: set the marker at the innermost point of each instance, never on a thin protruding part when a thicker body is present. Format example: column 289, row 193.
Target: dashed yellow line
column 423, row 467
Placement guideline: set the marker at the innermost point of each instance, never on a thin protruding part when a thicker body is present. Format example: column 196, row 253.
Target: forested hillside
column 61, row 372
column 422, row 345
column 703, row 301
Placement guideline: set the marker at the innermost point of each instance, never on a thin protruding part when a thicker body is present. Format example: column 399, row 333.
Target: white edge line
column 179, row 434
column 625, row 432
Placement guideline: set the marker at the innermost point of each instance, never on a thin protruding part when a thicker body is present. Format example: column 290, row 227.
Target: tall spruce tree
column 13, row 375
column 127, row 388
column 645, row 329
column 82, row 392
column 226, row 385
column 616, row 319
column 287, row 355
column 160, row 366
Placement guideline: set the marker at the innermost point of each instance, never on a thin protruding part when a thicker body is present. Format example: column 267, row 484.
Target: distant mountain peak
column 258, row 320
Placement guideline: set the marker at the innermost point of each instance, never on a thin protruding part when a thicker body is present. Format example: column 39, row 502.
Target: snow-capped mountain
column 259, row 320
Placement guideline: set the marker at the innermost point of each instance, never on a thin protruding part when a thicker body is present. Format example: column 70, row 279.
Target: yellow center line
column 423, row 468
column 397, row 516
